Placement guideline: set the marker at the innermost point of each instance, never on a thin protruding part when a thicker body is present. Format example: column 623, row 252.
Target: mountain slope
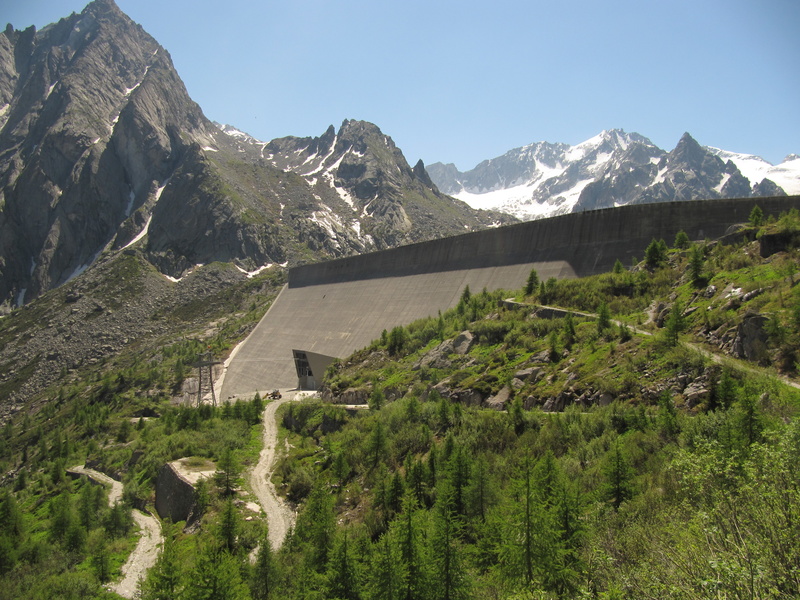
column 101, row 146
column 611, row 169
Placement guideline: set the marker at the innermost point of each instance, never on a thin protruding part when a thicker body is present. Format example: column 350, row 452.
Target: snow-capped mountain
column 611, row 169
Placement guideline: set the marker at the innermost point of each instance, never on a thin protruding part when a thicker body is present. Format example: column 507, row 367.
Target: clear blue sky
column 462, row 81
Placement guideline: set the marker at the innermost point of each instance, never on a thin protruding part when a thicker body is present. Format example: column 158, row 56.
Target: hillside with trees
column 627, row 435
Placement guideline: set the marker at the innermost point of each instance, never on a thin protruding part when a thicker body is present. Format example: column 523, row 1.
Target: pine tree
column 449, row 575
column 655, row 255
column 227, row 472
column 603, row 317
column 618, row 473
column 479, row 493
column 405, row 533
column 681, row 240
column 385, row 574
column 99, row 558
column 164, row 579
column 756, row 218
column 341, row 578
column 228, row 527
column 216, row 576
column 674, row 325
column 264, row 576
column 376, row 444
column 316, row 525
column 532, row 284
column 696, row 263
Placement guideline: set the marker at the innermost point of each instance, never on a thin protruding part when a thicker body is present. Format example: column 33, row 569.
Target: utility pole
column 205, row 377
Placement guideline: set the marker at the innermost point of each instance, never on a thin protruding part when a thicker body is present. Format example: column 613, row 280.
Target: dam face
column 336, row 307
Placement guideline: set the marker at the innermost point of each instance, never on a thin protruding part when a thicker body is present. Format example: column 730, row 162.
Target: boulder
column 695, row 393
column 498, row 401
column 175, row 489
column 530, row 374
column 437, row 357
column 463, row 343
column 751, row 338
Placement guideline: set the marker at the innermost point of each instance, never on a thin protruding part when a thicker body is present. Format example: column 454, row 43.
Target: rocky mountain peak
column 609, row 169
column 103, row 8
column 688, row 151
column 102, row 151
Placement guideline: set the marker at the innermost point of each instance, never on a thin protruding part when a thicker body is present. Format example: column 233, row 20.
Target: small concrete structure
column 310, row 368
column 175, row 487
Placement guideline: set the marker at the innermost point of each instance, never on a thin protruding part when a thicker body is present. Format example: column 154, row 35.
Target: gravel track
column 146, row 552
column 279, row 515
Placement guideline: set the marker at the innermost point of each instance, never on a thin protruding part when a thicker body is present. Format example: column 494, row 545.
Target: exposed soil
column 279, row 515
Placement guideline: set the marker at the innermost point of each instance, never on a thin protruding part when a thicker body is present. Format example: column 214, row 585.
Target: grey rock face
column 751, row 338
column 100, row 144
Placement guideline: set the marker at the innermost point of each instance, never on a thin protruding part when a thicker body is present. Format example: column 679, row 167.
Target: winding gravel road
column 279, row 516
column 146, row 552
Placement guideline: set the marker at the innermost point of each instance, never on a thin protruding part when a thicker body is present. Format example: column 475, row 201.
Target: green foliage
column 756, row 218
column 532, row 284
column 696, row 264
column 681, row 240
column 397, row 340
column 227, row 474
column 603, row 318
column 618, row 474
column 674, row 325
column 655, row 255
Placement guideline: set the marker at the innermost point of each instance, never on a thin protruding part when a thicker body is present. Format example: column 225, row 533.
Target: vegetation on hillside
column 662, row 467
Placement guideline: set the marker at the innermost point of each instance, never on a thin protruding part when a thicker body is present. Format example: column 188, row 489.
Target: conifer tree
column 618, row 473
column 163, row 581
column 227, row 472
column 603, row 317
column 216, row 576
column 681, row 240
column 532, row 284
column 316, row 525
column 405, row 533
column 341, row 578
column 696, row 263
column 449, row 574
column 385, row 577
column 228, row 527
column 756, row 218
column 674, row 324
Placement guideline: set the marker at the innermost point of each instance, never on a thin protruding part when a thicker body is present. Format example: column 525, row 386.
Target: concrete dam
column 330, row 309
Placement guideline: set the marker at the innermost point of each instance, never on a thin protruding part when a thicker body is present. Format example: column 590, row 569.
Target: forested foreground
column 433, row 501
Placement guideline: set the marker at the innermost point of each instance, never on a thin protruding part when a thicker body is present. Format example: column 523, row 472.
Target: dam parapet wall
column 590, row 242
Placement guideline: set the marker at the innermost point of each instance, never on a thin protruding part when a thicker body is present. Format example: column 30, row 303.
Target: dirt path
column 279, row 516
column 146, row 552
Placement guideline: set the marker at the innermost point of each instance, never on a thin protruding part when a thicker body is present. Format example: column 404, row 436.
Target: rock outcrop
column 101, row 146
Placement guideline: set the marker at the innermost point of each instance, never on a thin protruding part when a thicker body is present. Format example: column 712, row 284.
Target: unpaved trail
column 146, row 552
column 279, row 516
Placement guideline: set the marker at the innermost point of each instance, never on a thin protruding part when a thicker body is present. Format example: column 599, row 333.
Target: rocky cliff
column 101, row 147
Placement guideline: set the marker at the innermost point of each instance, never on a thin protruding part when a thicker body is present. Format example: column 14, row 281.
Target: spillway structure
column 330, row 309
